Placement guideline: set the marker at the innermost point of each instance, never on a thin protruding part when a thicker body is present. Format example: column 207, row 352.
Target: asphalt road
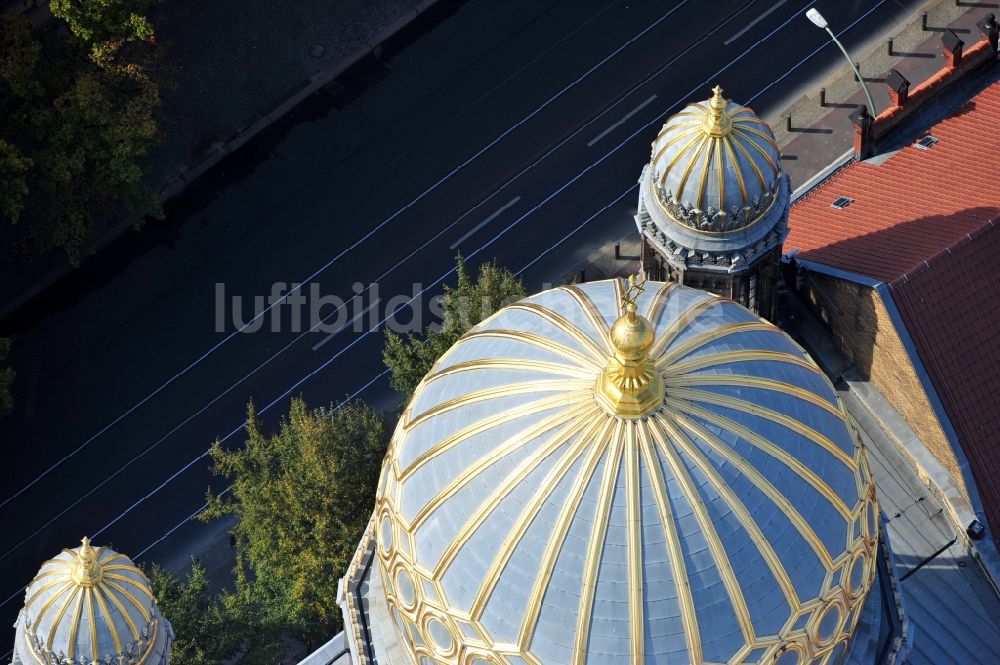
column 514, row 130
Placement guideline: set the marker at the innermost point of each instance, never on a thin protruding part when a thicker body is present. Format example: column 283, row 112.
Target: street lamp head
column 817, row 18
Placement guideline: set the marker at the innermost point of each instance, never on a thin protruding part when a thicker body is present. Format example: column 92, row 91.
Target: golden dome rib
column 581, row 430
column 121, row 609
column 595, row 545
column 750, row 160
column 554, row 544
column 633, row 516
column 779, row 418
column 744, row 197
column 74, row 626
column 661, row 437
column 720, row 171
column 678, row 326
column 701, row 339
column 566, row 326
column 768, row 489
column 537, row 340
column 495, row 392
column 92, row 623
column 589, row 310
column 740, row 511
column 682, row 185
column 694, row 131
column 701, row 362
column 804, row 472
column 531, row 408
column 746, row 133
column 112, row 627
column 67, row 585
column 655, row 308
column 678, row 569
column 695, row 381
column 541, row 366
column 131, row 598
column 706, row 169
column 555, row 421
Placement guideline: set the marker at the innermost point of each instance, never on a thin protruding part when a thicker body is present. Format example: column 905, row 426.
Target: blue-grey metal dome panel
column 518, row 522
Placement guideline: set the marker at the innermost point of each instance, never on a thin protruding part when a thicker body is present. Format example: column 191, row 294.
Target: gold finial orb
column 632, row 335
column 630, row 386
column 87, row 571
column 718, row 122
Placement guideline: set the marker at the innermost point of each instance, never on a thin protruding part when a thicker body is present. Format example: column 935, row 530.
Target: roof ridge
column 943, row 252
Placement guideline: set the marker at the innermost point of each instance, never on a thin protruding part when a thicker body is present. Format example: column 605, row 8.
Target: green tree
column 208, row 627
column 98, row 22
column 303, row 496
column 77, row 117
column 469, row 302
column 14, row 169
column 6, row 379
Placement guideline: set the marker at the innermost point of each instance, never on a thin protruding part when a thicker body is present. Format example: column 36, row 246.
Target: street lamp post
column 820, row 22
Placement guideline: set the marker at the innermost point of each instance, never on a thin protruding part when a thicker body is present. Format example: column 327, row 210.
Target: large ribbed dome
column 91, row 605
column 715, row 166
column 528, row 512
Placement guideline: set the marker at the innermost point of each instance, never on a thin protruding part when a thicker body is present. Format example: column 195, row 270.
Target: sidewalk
column 233, row 79
column 822, row 135
column 228, row 81
column 946, row 595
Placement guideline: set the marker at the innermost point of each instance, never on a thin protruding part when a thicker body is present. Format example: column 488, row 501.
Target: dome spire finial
column 717, row 121
column 87, row 570
column 630, row 386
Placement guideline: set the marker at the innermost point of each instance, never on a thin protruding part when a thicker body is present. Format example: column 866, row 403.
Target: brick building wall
column 863, row 331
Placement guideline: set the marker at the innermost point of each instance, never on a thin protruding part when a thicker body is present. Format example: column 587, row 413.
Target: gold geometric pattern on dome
column 572, row 452
column 695, row 151
column 79, row 588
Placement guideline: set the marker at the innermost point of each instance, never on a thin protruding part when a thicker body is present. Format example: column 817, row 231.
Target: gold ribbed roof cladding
column 715, row 165
column 90, row 605
column 518, row 521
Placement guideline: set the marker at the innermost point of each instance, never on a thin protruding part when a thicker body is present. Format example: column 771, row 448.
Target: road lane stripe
column 349, row 249
column 754, row 22
column 447, row 274
column 325, row 364
column 494, row 239
column 485, row 222
column 360, row 314
column 566, row 237
column 621, row 122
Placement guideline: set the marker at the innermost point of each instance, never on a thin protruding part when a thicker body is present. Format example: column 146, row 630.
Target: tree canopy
column 203, row 622
column 77, row 116
column 303, row 496
column 6, row 379
column 464, row 305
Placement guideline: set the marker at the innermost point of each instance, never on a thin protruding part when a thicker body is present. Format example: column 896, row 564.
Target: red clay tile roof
column 913, row 205
column 951, row 309
column 921, row 222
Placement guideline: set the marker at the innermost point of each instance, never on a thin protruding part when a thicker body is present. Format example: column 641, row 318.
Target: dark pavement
column 512, row 130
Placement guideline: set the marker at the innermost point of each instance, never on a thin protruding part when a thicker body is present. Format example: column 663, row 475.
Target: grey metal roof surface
column 954, row 612
column 518, row 522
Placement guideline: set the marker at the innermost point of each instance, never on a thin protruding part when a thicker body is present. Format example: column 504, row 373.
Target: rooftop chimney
column 899, row 87
column 952, row 46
